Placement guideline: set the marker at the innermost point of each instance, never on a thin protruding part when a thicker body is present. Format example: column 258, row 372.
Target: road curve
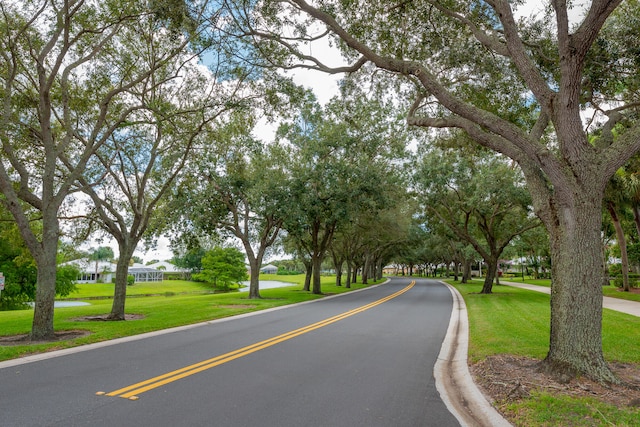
column 359, row 359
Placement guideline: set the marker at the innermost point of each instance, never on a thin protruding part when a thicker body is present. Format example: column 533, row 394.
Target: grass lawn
column 174, row 303
column 607, row 291
column 516, row 321
column 105, row 290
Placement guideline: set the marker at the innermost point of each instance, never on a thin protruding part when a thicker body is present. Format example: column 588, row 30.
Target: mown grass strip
column 159, row 312
column 608, row 291
column 516, row 321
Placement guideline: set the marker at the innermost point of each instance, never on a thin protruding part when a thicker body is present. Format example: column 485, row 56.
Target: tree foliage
column 342, row 170
column 190, row 260
column 236, row 188
column 515, row 85
column 20, row 271
column 223, row 267
column 479, row 197
column 71, row 79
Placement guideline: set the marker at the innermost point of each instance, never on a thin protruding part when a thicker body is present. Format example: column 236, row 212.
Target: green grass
column 184, row 303
column 105, row 290
column 546, row 410
column 516, row 321
column 615, row 292
column 527, row 279
column 299, row 279
column 607, row 291
column 511, row 320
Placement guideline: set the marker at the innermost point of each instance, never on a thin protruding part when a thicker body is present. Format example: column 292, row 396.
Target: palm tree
column 103, row 253
column 616, row 199
column 631, row 181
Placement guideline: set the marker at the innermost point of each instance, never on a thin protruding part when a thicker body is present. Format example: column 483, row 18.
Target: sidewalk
column 617, row 304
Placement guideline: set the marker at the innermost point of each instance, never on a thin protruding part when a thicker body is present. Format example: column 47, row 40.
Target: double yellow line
column 133, row 391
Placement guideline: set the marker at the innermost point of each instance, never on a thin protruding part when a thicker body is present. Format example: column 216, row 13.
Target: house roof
column 89, row 266
column 168, row 267
column 142, row 269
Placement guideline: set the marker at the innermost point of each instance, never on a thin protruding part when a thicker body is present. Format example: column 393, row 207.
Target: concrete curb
column 453, row 379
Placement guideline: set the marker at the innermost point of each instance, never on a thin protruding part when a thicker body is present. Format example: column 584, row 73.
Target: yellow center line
column 132, row 391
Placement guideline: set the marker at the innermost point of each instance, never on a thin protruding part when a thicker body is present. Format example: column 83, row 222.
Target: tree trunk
column 365, row 270
column 348, row 275
column 254, row 278
column 575, row 346
column 466, row 271
column 120, row 288
column 307, row 276
column 379, row 268
column 622, row 242
column 492, row 269
column 316, row 260
column 605, row 281
column 337, row 264
column 42, row 326
column 255, row 261
column 636, row 217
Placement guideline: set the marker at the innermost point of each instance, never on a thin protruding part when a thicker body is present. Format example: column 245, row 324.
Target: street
column 359, row 359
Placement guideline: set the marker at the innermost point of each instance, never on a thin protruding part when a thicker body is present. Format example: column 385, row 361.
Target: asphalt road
column 360, row 359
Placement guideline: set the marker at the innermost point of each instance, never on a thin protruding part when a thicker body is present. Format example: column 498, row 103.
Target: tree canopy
column 90, row 98
column 223, row 267
column 479, row 197
column 515, row 85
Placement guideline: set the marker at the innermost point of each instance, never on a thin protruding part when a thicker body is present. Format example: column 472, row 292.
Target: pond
column 267, row 284
column 58, row 304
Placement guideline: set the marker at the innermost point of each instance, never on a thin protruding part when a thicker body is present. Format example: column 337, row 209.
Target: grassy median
column 514, row 321
column 607, row 291
column 160, row 305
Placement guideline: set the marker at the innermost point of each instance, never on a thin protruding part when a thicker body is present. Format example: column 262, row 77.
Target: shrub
column 16, row 302
column 223, row 267
column 284, row 272
column 633, row 280
column 615, row 269
column 131, row 280
column 66, row 276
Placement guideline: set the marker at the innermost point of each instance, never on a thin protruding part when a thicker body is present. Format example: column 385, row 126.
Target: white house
column 104, row 272
column 269, row 269
column 90, row 272
column 166, row 267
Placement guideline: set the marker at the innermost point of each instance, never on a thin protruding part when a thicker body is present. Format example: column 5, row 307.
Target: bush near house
column 633, row 280
column 284, row 272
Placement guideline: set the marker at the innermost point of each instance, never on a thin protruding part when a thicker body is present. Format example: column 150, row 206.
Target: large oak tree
column 343, row 170
column 237, row 188
column 479, row 197
column 68, row 80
